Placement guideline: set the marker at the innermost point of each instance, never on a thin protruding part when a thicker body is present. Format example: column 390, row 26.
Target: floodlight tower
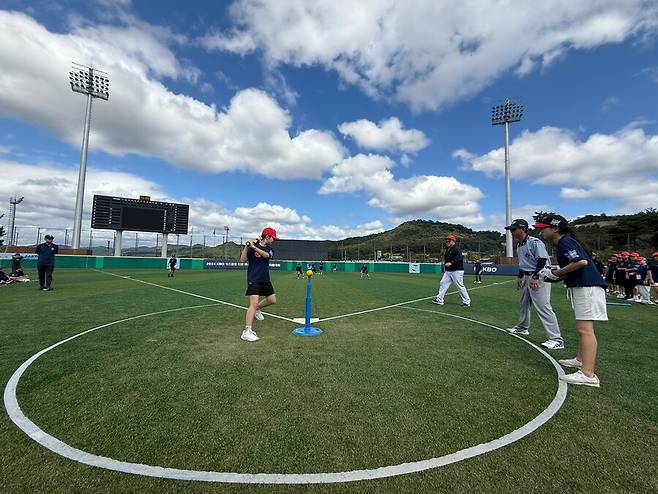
column 94, row 84
column 226, row 230
column 13, row 202
column 503, row 115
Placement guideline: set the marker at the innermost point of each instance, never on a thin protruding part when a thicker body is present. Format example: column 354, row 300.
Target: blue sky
column 332, row 120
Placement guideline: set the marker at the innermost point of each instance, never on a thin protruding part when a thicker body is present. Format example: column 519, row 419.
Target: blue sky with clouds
column 328, row 120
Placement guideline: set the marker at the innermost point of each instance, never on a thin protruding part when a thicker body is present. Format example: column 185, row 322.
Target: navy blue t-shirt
column 653, row 267
column 568, row 251
column 46, row 254
column 258, row 270
column 641, row 274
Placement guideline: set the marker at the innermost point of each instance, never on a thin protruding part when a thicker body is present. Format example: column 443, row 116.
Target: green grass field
column 181, row 390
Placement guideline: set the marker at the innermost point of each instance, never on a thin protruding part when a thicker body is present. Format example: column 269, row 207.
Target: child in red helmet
column 258, row 254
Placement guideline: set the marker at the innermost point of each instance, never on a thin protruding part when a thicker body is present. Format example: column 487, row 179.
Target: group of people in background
column 46, row 252
column 631, row 277
column 586, row 287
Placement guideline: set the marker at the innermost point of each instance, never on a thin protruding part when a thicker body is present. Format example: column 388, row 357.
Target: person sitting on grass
column 4, row 279
column 19, row 276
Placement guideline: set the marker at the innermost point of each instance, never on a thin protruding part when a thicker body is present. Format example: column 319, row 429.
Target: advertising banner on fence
column 490, row 268
column 26, row 257
column 232, row 264
column 414, row 267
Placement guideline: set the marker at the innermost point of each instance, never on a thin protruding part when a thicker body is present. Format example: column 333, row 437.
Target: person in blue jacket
column 46, row 262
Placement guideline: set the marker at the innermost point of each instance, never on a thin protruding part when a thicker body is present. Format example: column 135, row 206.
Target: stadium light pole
column 94, row 84
column 13, row 202
column 226, row 230
column 503, row 115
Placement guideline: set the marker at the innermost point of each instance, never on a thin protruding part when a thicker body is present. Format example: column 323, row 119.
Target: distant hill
column 422, row 240
column 416, row 240
column 621, row 232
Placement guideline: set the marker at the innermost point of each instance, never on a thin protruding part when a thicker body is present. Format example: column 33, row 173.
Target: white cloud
column 609, row 103
column 386, row 135
column 442, row 197
column 423, row 53
column 50, row 191
column 142, row 116
column 620, row 166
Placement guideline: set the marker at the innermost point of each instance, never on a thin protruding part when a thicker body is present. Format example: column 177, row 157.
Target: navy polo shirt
column 569, row 250
column 258, row 270
column 46, row 254
column 641, row 273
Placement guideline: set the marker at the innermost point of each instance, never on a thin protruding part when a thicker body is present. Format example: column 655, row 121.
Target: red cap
column 269, row 231
column 540, row 226
column 655, row 254
column 450, row 237
column 625, row 253
column 634, row 254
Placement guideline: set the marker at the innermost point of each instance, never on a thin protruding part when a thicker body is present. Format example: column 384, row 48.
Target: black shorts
column 264, row 289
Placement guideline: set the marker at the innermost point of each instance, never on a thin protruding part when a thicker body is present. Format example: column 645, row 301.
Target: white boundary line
column 59, row 447
column 192, row 294
column 405, row 303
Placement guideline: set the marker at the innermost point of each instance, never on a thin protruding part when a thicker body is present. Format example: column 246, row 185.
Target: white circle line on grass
column 56, row 446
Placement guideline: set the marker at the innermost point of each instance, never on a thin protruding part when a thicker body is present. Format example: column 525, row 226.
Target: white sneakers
column 553, row 344
column 249, row 335
column 437, row 302
column 518, row 331
column 571, row 362
column 579, row 378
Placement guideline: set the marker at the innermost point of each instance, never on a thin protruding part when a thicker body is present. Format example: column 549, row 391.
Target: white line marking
column 192, row 294
column 55, row 445
column 405, row 303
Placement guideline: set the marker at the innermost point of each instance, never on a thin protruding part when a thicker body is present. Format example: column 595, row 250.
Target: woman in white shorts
column 586, row 289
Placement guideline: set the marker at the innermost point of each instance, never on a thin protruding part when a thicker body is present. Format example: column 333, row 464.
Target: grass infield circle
column 55, row 445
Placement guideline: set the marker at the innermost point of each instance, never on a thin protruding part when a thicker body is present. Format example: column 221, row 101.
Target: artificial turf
column 180, row 389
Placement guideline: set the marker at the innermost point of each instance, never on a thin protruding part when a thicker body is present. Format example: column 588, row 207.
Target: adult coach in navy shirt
column 257, row 254
column 586, row 289
column 46, row 262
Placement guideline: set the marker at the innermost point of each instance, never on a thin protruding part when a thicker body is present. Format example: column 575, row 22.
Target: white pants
column 645, row 293
column 450, row 277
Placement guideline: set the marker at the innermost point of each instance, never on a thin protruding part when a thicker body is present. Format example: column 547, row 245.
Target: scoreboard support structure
column 165, row 240
column 117, row 243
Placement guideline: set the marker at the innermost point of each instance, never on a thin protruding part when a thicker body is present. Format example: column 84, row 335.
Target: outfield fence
column 133, row 262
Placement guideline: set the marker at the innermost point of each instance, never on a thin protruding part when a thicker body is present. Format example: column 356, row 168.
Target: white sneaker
column 249, row 335
column 518, row 331
column 435, row 301
column 553, row 344
column 571, row 362
column 259, row 315
column 579, row 378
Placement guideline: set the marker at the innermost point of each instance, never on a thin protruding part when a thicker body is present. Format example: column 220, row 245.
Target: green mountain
column 417, row 240
column 622, row 232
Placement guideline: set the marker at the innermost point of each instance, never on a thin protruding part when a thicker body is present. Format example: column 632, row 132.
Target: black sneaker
column 465, row 304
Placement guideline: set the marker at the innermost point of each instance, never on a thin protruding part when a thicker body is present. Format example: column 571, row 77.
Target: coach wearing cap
column 535, row 292
column 46, row 262
column 453, row 272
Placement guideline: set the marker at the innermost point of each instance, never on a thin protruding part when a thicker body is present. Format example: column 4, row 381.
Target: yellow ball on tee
column 309, row 273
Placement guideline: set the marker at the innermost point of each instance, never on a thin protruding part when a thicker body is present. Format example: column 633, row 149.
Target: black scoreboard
column 139, row 215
